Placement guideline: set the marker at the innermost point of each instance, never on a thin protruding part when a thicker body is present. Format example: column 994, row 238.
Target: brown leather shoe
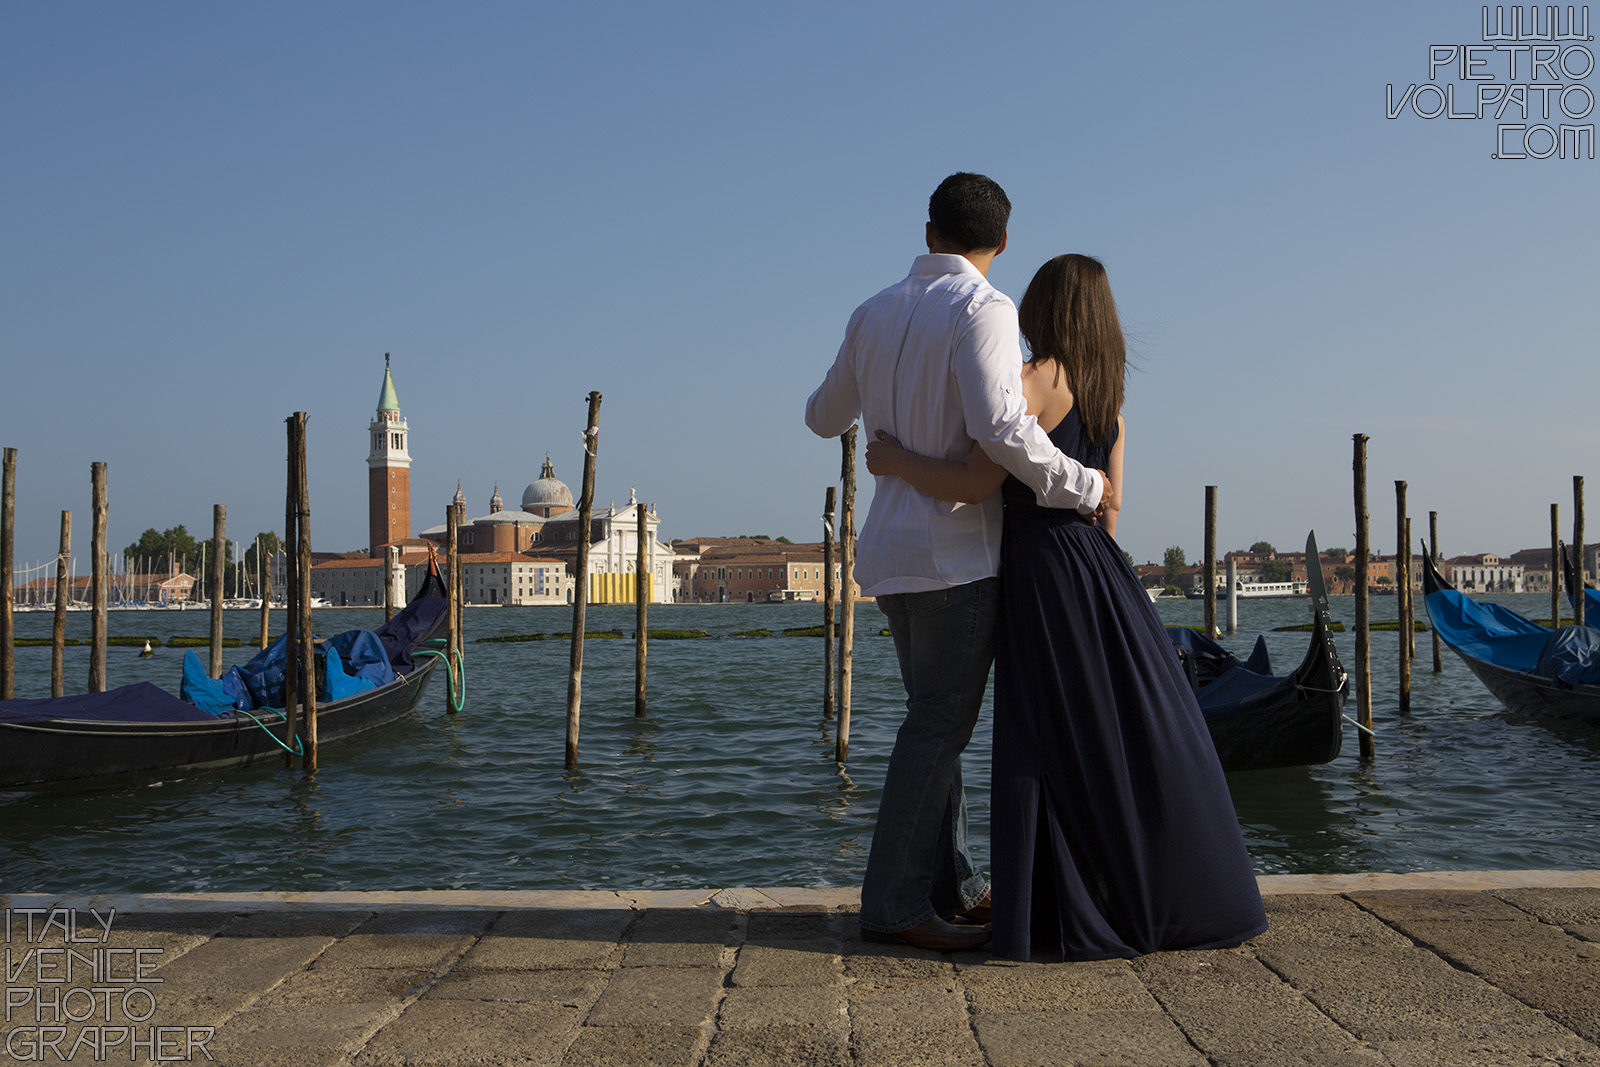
column 935, row 935
column 977, row 915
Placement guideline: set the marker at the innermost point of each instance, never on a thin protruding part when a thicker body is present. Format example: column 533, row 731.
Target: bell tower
column 388, row 472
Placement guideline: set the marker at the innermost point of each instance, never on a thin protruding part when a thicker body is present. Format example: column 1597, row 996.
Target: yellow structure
column 612, row 588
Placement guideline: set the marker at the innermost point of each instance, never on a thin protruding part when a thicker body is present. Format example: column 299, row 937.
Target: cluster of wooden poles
column 1406, row 607
column 300, row 690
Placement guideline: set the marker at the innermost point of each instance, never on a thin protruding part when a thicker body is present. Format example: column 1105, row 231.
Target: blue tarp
column 1572, row 655
column 336, row 684
column 1224, row 686
column 1487, row 631
column 363, row 655
column 219, row 696
column 400, row 634
column 140, row 702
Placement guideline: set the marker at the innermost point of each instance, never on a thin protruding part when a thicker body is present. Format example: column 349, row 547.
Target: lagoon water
column 731, row 780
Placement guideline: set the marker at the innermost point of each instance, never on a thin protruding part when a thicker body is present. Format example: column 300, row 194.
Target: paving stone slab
column 1297, row 919
column 469, row 923
column 465, row 1032
column 576, row 923
column 240, row 964
column 1395, row 904
column 1484, row 1052
column 681, row 938
column 777, row 1047
column 319, row 923
column 573, row 989
column 658, row 996
column 1388, row 995
column 820, row 1008
column 881, row 1011
column 742, row 898
column 1564, row 907
column 918, row 1048
column 795, row 924
column 667, row 898
column 315, row 985
column 638, row 1046
column 425, row 952
column 337, row 1024
column 1102, row 1038
column 786, row 963
column 1109, row 985
column 867, row 961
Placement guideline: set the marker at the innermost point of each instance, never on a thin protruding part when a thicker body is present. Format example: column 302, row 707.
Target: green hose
column 455, row 676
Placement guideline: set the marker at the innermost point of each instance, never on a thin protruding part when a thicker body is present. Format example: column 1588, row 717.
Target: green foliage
column 675, row 635
column 752, row 633
column 1345, row 574
column 185, row 641
column 803, row 631
column 784, row 541
column 1175, row 562
column 1276, row 570
column 154, row 549
column 1336, row 553
column 1263, row 547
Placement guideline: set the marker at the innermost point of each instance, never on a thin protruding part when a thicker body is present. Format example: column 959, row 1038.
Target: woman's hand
column 885, row 455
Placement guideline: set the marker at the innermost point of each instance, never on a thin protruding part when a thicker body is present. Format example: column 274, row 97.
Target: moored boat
column 141, row 731
column 1258, row 720
column 1529, row 667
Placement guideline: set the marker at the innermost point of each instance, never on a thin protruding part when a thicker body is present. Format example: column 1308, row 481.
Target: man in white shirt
column 935, row 361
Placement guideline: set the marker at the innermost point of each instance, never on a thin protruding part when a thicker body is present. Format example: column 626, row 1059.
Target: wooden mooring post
column 1402, row 579
column 98, row 584
column 1231, row 580
column 8, row 541
column 1363, row 679
column 1210, row 570
column 308, row 657
column 641, row 601
column 1578, row 596
column 291, row 592
column 391, row 570
column 1410, row 609
column 219, row 555
column 1432, row 555
column 452, row 626
column 58, row 631
column 847, row 592
column 580, row 581
column 1555, row 567
column 829, row 593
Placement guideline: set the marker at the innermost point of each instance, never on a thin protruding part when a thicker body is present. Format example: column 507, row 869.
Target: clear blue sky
column 217, row 214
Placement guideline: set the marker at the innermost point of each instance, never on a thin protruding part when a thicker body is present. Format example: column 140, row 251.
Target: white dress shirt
column 935, row 361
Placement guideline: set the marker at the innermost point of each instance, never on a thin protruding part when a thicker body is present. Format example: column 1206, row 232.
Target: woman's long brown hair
column 1068, row 316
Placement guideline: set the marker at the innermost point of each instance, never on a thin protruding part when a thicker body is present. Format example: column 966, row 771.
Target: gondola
column 1257, row 720
column 1529, row 667
column 141, row 731
column 1591, row 596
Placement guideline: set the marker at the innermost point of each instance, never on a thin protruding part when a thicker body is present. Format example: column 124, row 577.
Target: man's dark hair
column 969, row 212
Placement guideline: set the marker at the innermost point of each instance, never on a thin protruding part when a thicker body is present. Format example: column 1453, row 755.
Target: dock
column 1425, row 969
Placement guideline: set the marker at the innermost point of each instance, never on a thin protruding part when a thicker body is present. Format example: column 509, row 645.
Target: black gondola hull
column 62, row 754
column 1304, row 725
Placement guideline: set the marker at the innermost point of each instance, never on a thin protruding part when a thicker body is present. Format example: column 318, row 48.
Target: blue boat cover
column 336, row 684
column 140, row 702
column 401, row 633
column 1224, row 686
column 363, row 655
column 1488, row 632
column 219, row 696
column 264, row 674
column 1572, row 655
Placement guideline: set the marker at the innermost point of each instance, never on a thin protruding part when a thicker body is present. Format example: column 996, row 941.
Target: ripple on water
column 731, row 777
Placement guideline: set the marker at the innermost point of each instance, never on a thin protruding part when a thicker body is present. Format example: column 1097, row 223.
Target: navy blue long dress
column 1113, row 833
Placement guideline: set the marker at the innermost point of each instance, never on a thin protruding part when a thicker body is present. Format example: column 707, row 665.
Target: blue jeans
column 919, row 865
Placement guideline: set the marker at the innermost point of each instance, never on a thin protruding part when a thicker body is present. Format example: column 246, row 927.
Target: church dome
column 548, row 491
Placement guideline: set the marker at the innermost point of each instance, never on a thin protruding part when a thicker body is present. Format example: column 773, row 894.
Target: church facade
column 522, row 556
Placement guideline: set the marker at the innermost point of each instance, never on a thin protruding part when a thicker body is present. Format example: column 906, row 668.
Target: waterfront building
column 750, row 570
column 1486, row 573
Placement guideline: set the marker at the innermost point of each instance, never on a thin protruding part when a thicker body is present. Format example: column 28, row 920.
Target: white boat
column 1263, row 590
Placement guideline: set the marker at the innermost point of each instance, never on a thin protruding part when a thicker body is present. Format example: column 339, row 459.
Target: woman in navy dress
column 1113, row 833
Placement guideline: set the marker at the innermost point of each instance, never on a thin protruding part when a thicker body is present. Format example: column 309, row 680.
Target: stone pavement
column 1449, row 968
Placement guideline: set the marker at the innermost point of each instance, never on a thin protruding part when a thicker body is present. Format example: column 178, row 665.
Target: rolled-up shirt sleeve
column 987, row 363
column 835, row 405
